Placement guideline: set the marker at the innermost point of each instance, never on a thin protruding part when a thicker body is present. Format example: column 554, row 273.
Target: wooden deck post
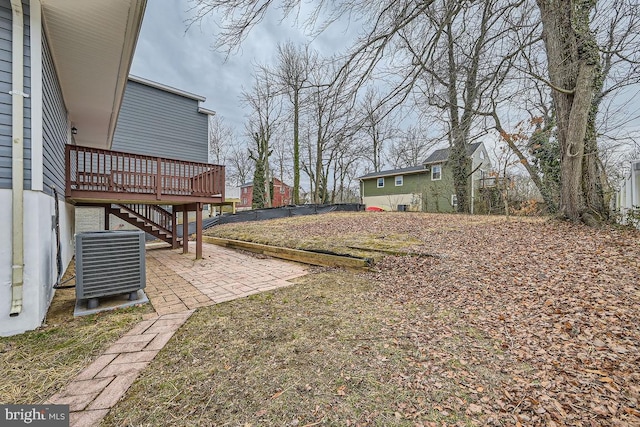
column 159, row 178
column 106, row 217
column 174, row 228
column 185, row 229
column 199, row 230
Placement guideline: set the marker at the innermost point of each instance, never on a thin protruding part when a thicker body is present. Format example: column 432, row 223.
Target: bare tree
column 377, row 124
column 281, row 156
column 410, row 149
column 292, row 74
column 463, row 51
column 616, row 28
column 465, row 59
column 239, row 166
column 345, row 171
column 616, row 31
column 328, row 118
column 265, row 113
column 221, row 139
column 430, row 31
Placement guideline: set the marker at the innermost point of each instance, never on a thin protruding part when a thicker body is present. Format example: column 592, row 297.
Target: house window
column 399, row 180
column 436, row 172
column 244, row 201
column 380, row 182
column 282, row 189
column 454, row 200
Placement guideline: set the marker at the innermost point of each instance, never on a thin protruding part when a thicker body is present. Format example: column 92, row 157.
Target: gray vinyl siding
column 159, row 123
column 5, row 97
column 54, row 124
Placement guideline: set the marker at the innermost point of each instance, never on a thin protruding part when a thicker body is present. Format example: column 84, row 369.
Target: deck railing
column 151, row 214
column 493, row 181
column 94, row 170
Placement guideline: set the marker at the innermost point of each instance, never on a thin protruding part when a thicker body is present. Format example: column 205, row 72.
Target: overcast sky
column 169, row 54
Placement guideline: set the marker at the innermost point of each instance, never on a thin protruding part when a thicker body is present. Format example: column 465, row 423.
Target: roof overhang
column 206, row 111
column 384, row 174
column 167, row 88
column 92, row 45
column 171, row 89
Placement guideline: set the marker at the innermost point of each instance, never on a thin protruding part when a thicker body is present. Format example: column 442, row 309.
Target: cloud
column 169, row 54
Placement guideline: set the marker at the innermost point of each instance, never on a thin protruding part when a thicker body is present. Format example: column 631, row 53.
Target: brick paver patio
column 176, row 285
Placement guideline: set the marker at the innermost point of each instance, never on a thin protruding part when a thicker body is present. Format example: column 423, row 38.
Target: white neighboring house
column 67, row 64
column 628, row 197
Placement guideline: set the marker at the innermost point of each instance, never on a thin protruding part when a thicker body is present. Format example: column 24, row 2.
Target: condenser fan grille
column 109, row 263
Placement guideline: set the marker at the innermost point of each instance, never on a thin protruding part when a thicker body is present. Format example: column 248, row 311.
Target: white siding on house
column 628, row 197
column 89, row 218
column 479, row 163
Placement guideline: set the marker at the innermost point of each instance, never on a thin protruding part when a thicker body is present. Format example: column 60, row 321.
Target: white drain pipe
column 17, row 158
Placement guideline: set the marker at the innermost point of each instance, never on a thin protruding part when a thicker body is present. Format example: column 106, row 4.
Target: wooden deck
column 130, row 181
column 101, row 176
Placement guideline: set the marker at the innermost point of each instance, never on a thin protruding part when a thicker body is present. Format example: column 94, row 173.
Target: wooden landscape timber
column 298, row 255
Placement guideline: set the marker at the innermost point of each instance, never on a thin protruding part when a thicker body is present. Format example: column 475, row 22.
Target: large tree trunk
column 460, row 163
column 296, row 147
column 594, row 180
column 572, row 55
column 461, row 168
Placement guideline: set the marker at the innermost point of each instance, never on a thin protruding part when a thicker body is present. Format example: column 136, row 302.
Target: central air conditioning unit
column 109, row 263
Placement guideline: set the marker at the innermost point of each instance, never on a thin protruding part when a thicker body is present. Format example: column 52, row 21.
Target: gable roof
column 438, row 156
column 442, row 155
column 403, row 171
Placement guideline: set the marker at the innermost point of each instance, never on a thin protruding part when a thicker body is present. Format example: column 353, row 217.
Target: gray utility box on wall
column 109, row 263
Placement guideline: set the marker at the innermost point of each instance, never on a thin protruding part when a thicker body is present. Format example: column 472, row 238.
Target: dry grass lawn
column 490, row 322
column 39, row 363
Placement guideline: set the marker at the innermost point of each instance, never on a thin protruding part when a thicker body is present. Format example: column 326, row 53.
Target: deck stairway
column 133, row 187
column 149, row 218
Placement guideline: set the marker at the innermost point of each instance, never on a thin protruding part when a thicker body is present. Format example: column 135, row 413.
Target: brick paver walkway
column 176, row 285
column 101, row 385
column 221, row 275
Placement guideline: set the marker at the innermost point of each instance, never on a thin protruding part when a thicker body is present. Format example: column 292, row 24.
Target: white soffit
column 92, row 44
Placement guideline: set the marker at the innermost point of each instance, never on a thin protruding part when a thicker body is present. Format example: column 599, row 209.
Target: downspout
column 17, row 158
